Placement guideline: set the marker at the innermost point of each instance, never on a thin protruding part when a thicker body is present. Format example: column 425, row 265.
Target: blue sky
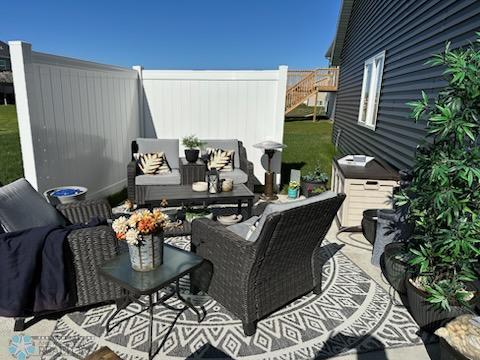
column 178, row 34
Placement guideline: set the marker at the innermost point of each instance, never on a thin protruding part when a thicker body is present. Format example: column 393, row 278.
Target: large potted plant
column 192, row 148
column 314, row 182
column 443, row 198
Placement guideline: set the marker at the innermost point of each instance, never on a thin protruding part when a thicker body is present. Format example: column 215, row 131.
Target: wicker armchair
column 89, row 248
column 254, row 279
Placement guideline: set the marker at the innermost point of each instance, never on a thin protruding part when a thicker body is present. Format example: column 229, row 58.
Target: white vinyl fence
column 244, row 105
column 77, row 118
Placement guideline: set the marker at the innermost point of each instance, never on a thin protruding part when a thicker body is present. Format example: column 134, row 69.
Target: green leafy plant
column 294, row 185
column 317, row 175
column 444, row 197
column 192, row 142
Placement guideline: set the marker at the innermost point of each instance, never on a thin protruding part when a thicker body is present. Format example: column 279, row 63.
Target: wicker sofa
column 89, row 248
column 243, row 172
column 255, row 277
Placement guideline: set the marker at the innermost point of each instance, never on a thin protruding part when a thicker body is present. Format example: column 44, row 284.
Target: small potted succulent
column 192, row 148
column 143, row 232
column 293, row 189
column 315, row 182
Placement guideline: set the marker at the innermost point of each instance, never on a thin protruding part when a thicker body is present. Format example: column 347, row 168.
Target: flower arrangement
column 141, row 222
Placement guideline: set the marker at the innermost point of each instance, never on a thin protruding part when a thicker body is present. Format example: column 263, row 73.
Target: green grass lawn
column 308, row 143
column 10, row 158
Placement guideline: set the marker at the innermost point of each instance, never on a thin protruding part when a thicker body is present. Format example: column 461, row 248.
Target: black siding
column 410, row 31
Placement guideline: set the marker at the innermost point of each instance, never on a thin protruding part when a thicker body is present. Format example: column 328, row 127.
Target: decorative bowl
column 230, row 219
column 65, row 194
column 200, row 186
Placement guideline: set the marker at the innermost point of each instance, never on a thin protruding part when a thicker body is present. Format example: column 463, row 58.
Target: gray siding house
column 381, row 47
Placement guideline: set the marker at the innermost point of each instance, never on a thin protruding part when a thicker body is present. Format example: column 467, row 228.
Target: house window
column 372, row 84
column 3, row 65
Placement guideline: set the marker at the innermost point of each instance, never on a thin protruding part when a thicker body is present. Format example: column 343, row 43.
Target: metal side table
column 176, row 264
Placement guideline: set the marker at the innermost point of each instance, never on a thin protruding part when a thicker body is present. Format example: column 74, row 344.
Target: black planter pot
column 428, row 316
column 369, row 225
column 447, row 352
column 395, row 270
column 308, row 187
column 192, row 155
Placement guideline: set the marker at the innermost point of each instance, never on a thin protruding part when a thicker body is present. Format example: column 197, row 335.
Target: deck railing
column 301, row 84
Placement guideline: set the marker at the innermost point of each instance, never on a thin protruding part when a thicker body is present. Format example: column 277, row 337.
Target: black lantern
column 213, row 180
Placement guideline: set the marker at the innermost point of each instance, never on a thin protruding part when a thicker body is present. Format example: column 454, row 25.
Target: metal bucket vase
column 148, row 255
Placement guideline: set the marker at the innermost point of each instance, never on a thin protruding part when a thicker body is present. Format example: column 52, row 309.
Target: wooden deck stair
column 301, row 84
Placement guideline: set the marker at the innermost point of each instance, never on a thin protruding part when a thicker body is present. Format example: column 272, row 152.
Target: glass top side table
column 176, row 264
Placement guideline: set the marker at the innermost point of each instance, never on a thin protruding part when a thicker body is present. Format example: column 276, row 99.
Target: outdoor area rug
column 353, row 314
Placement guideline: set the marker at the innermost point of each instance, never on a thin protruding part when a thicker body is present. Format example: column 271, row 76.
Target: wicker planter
column 148, row 255
column 395, row 270
column 308, row 187
column 428, row 316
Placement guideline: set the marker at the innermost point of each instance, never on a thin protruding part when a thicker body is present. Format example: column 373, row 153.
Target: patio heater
column 269, row 147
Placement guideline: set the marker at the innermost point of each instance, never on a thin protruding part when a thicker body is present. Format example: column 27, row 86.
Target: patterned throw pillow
column 220, row 159
column 152, row 164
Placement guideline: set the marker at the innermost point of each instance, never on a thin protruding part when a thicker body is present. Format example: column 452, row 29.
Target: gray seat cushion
column 169, row 146
column 172, row 178
column 237, row 175
column 245, row 228
column 277, row 208
column 227, row 144
column 22, row 207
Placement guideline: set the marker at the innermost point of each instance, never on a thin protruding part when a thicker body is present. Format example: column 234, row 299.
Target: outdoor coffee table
column 183, row 195
column 176, row 264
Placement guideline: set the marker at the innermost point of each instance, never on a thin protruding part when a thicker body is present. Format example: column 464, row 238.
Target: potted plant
column 316, row 179
column 143, row 232
column 443, row 198
column 192, row 148
column 293, row 189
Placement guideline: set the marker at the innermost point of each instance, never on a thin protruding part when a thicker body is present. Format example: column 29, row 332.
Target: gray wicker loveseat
column 88, row 247
column 278, row 263
column 242, row 173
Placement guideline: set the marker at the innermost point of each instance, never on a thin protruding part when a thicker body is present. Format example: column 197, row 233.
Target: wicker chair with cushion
column 255, row 274
column 243, row 169
column 89, row 247
column 144, row 146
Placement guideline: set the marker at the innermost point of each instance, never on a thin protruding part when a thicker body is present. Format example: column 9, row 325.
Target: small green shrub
column 192, row 142
column 317, row 175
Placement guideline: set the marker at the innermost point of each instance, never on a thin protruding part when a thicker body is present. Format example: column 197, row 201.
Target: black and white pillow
column 152, row 163
column 220, row 159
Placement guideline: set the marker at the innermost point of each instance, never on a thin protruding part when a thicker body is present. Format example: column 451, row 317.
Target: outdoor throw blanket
column 33, row 274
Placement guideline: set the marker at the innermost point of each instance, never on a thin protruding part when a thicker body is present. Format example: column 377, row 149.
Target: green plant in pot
column 293, row 189
column 314, row 182
column 192, row 148
column 443, row 198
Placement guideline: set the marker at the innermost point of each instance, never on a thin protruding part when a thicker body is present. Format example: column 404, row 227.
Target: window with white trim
column 372, row 84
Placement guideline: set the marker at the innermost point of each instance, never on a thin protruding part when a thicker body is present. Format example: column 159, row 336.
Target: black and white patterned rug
column 353, row 313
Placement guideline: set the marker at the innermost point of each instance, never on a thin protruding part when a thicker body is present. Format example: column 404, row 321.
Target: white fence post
column 21, row 55
column 280, row 106
column 139, row 70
